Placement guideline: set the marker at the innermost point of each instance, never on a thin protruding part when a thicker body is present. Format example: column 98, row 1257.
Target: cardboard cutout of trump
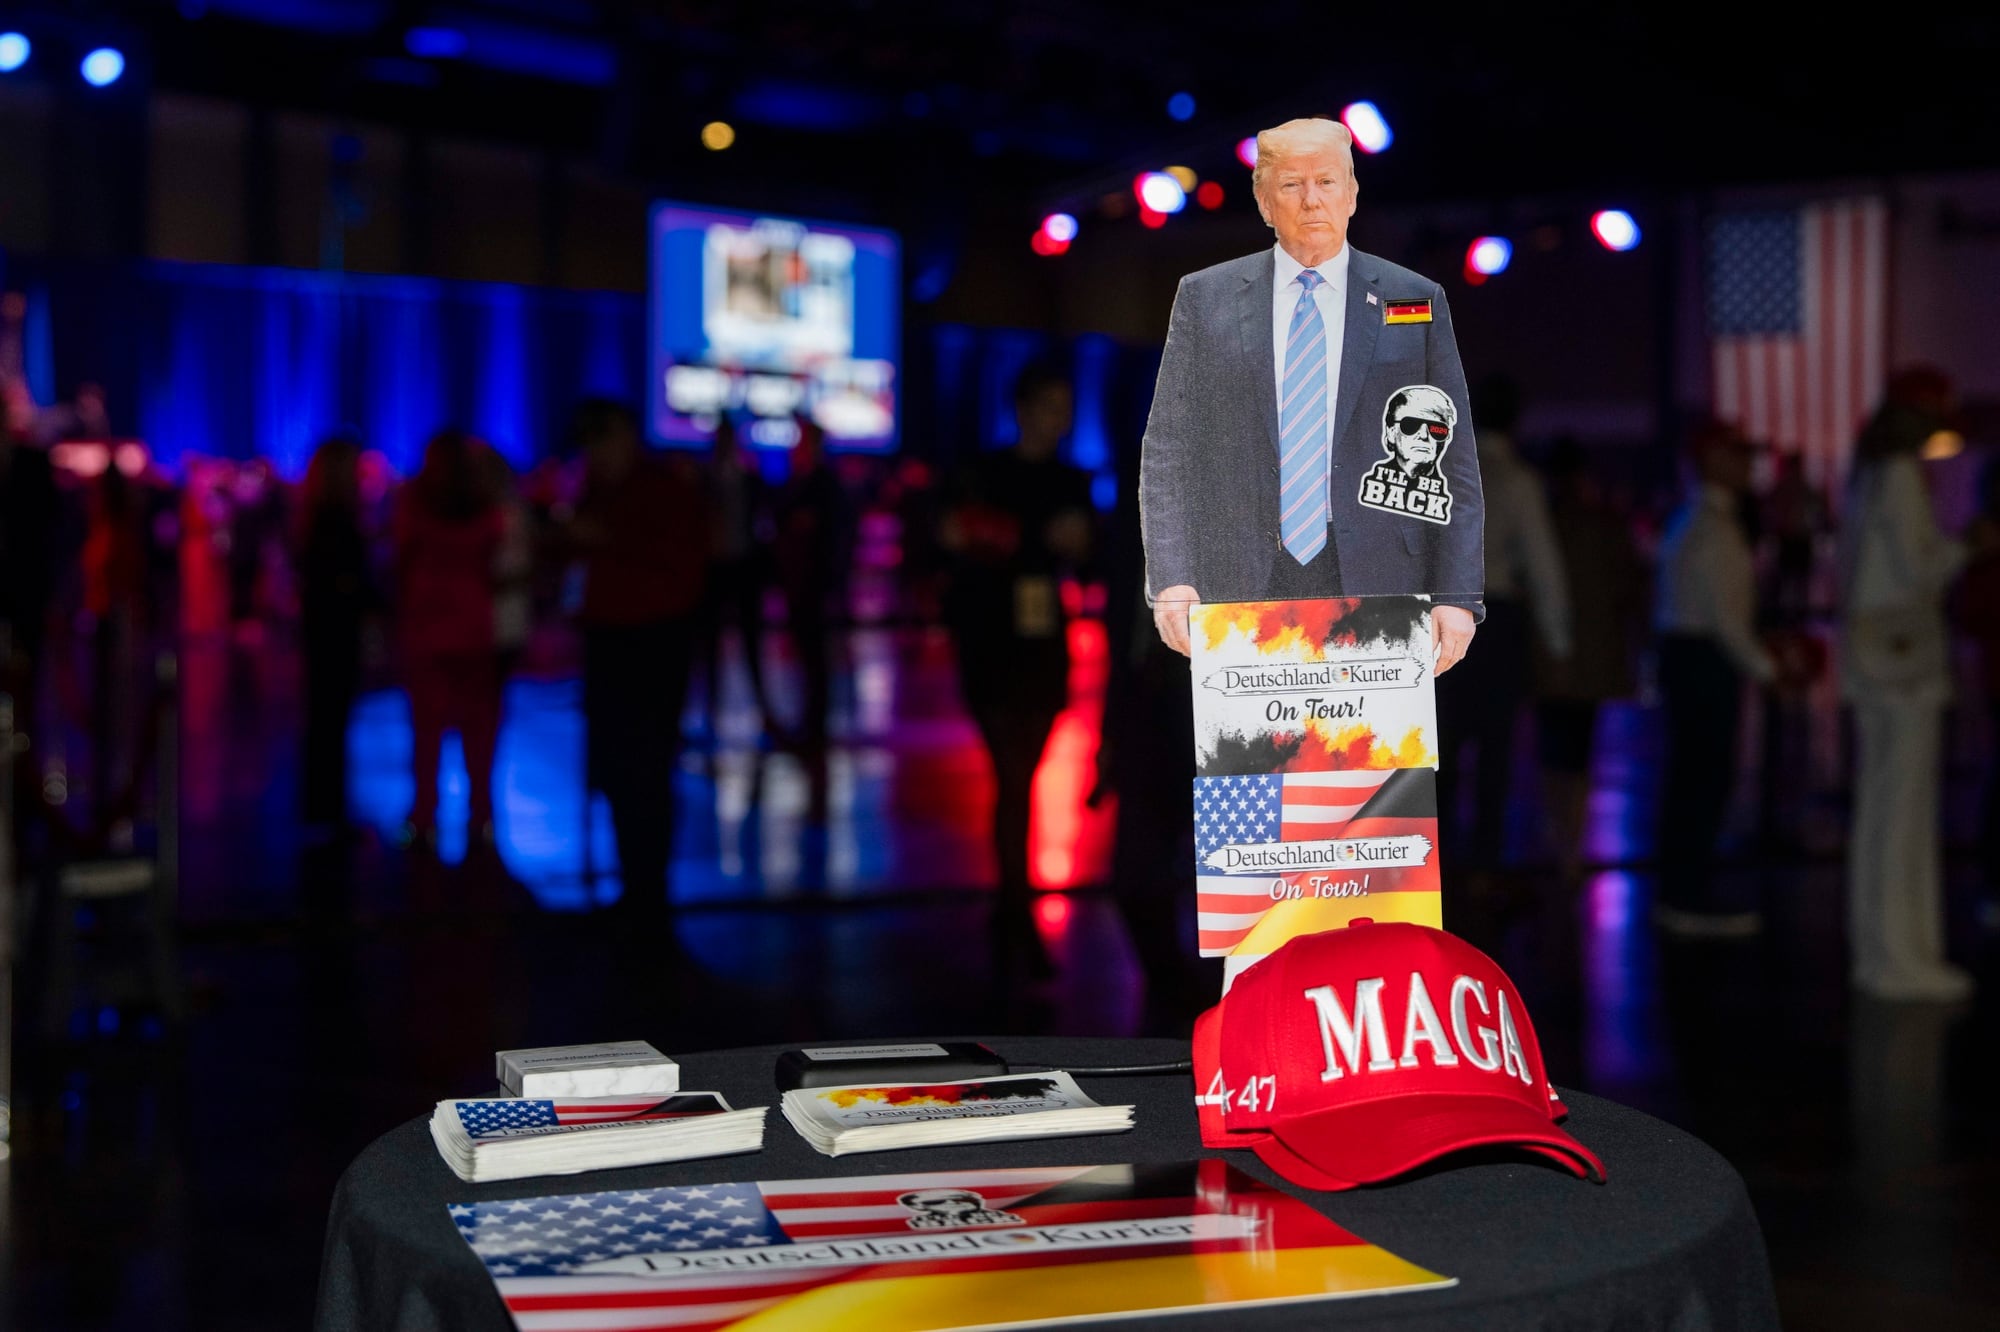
column 1310, row 434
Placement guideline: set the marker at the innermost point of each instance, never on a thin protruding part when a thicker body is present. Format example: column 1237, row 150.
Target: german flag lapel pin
column 1416, row 311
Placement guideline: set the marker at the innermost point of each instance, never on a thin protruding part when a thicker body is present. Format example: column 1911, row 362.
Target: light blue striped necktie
column 1302, row 434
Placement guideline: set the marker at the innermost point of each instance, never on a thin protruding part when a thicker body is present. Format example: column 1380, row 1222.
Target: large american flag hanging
column 1798, row 325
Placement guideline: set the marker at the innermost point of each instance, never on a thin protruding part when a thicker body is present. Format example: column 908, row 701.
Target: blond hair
column 1297, row 136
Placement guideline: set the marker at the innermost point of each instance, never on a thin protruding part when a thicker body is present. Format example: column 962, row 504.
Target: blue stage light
column 1615, row 229
column 1104, row 492
column 14, row 51
column 1365, row 122
column 103, row 67
column 1059, row 227
column 1489, row 255
column 1181, row 106
column 435, row 43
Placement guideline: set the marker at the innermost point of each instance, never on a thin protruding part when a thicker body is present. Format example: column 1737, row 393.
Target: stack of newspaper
column 838, row 1120
column 513, row 1137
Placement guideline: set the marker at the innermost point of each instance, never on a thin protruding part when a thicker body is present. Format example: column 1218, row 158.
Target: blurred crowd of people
column 1744, row 598
column 1721, row 599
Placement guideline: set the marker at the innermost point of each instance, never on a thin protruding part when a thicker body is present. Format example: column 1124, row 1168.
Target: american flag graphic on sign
column 501, row 1117
column 1360, row 812
column 1798, row 329
column 1315, row 800
column 933, row 1250
column 1290, row 806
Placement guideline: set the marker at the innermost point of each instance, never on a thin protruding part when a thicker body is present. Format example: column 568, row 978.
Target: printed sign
column 942, row 1250
column 1315, row 799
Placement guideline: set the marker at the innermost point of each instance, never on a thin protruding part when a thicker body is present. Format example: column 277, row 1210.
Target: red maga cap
column 1353, row 1055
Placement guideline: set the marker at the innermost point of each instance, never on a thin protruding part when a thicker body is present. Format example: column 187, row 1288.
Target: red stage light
column 1151, row 218
column 1209, row 195
column 1046, row 245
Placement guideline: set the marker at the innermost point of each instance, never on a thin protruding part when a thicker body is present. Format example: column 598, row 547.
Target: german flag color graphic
column 920, row 1252
column 1415, row 311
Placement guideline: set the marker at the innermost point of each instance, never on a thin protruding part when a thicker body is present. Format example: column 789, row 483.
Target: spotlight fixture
column 1160, row 192
column 103, row 67
column 1488, row 256
column 1365, row 122
column 1614, row 229
column 15, row 48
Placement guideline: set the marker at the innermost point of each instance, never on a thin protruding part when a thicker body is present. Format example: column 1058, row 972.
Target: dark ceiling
column 853, row 106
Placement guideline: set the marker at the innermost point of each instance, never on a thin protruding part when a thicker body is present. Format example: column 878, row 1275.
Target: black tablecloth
column 1669, row 1242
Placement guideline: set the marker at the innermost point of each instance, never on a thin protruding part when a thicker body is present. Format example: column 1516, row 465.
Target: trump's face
column 1307, row 197
column 1416, row 437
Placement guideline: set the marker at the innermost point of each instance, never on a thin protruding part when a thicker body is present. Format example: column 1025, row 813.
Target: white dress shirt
column 1708, row 581
column 1330, row 297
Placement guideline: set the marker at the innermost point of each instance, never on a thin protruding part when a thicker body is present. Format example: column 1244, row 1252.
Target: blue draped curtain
column 239, row 362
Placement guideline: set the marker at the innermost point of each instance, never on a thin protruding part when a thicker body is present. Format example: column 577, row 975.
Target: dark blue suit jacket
column 1208, row 476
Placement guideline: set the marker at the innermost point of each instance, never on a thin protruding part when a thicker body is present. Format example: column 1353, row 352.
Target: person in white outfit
column 1895, row 671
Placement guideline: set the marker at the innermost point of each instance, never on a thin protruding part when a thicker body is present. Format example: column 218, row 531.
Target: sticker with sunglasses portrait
column 1417, row 427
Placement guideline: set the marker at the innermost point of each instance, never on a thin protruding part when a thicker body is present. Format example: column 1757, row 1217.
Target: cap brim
column 1377, row 1140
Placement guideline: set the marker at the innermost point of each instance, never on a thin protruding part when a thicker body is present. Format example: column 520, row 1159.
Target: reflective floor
column 179, row 1179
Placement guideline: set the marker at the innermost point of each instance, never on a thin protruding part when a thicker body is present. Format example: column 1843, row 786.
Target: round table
column 1669, row 1242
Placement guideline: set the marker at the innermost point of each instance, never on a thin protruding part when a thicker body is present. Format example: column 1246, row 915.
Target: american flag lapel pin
column 1372, row 300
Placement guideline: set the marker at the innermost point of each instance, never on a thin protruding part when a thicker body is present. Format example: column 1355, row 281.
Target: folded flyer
column 514, row 1137
column 939, row 1250
column 838, row 1120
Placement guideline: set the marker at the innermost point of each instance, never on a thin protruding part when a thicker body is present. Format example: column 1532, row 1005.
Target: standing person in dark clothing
column 336, row 595
column 739, row 512
column 1794, row 516
column 1607, row 596
column 1019, row 520
column 27, row 545
column 641, row 531
column 1705, row 617
column 447, row 538
column 1146, row 757
column 254, row 522
column 114, row 560
column 810, row 568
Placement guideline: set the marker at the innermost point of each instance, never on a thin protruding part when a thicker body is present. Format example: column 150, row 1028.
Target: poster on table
column 1315, row 795
column 899, row 1253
